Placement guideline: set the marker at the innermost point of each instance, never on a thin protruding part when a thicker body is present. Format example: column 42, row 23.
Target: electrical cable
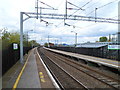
column 102, row 6
column 107, row 4
column 85, row 9
column 81, row 7
column 92, row 4
column 46, row 4
column 74, row 5
column 59, row 6
column 76, row 11
column 41, row 20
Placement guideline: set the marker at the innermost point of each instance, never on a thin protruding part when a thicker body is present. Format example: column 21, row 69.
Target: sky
column 57, row 32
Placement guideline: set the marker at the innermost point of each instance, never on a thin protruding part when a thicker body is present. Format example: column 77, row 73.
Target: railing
column 102, row 52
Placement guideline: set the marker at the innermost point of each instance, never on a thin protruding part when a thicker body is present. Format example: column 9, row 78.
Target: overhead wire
column 116, row 16
column 85, row 9
column 52, row 7
column 76, row 11
column 59, row 5
column 92, row 4
column 102, row 6
column 94, row 10
column 46, row 4
column 81, row 7
column 107, row 4
column 41, row 20
column 75, row 6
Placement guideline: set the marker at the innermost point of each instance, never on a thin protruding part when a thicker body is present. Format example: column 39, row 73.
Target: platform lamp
column 75, row 37
column 27, row 36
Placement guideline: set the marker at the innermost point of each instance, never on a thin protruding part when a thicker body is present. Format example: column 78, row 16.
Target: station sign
column 114, row 47
column 15, row 46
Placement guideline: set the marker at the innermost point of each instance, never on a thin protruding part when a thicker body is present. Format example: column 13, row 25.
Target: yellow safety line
column 20, row 74
column 41, row 77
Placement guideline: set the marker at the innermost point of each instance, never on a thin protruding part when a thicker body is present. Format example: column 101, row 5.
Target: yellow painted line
column 20, row 74
column 40, row 73
column 42, row 80
column 41, row 77
column 48, row 72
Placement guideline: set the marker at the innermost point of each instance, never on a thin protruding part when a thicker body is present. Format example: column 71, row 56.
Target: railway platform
column 31, row 74
column 100, row 61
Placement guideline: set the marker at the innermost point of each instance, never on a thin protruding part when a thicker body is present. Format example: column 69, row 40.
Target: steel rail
column 60, row 85
column 67, row 73
column 99, row 79
column 87, row 67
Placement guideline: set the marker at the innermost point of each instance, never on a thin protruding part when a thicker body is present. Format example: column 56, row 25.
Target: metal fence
column 102, row 52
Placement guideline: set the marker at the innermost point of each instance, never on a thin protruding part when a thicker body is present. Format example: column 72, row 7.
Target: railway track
column 115, row 83
column 108, row 81
column 64, row 79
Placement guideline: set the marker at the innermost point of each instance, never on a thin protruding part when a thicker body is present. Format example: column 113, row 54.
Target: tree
column 5, row 40
column 9, row 38
column 33, row 43
column 103, row 39
column 45, row 44
column 14, row 38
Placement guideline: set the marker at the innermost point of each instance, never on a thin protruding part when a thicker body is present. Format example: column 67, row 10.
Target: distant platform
column 101, row 61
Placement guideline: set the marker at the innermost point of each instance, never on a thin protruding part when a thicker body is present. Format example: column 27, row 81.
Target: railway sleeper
column 93, row 64
column 111, row 69
column 82, row 61
column 113, row 83
column 117, row 86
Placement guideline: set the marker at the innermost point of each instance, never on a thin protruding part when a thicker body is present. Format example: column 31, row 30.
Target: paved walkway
column 30, row 77
column 31, row 74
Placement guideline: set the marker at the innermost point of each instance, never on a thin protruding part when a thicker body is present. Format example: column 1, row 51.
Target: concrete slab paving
column 27, row 75
column 30, row 77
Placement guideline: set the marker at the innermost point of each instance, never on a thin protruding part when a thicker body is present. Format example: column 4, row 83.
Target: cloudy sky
column 57, row 32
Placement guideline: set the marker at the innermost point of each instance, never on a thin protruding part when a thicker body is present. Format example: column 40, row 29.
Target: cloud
column 87, row 31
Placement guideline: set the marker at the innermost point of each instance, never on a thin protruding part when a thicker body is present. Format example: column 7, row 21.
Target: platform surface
column 31, row 74
column 106, row 62
column 30, row 77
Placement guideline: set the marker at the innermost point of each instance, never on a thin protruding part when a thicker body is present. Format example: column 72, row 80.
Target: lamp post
column 114, row 37
column 48, row 41
column 27, row 36
column 75, row 38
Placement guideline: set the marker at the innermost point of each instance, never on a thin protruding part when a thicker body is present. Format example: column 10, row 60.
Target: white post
column 118, row 29
column 21, row 37
column 119, row 22
column 48, row 41
column 75, row 39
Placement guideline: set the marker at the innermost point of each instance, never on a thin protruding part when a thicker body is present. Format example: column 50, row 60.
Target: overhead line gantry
column 58, row 17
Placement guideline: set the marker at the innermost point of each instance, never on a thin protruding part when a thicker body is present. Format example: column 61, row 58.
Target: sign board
column 15, row 46
column 114, row 47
